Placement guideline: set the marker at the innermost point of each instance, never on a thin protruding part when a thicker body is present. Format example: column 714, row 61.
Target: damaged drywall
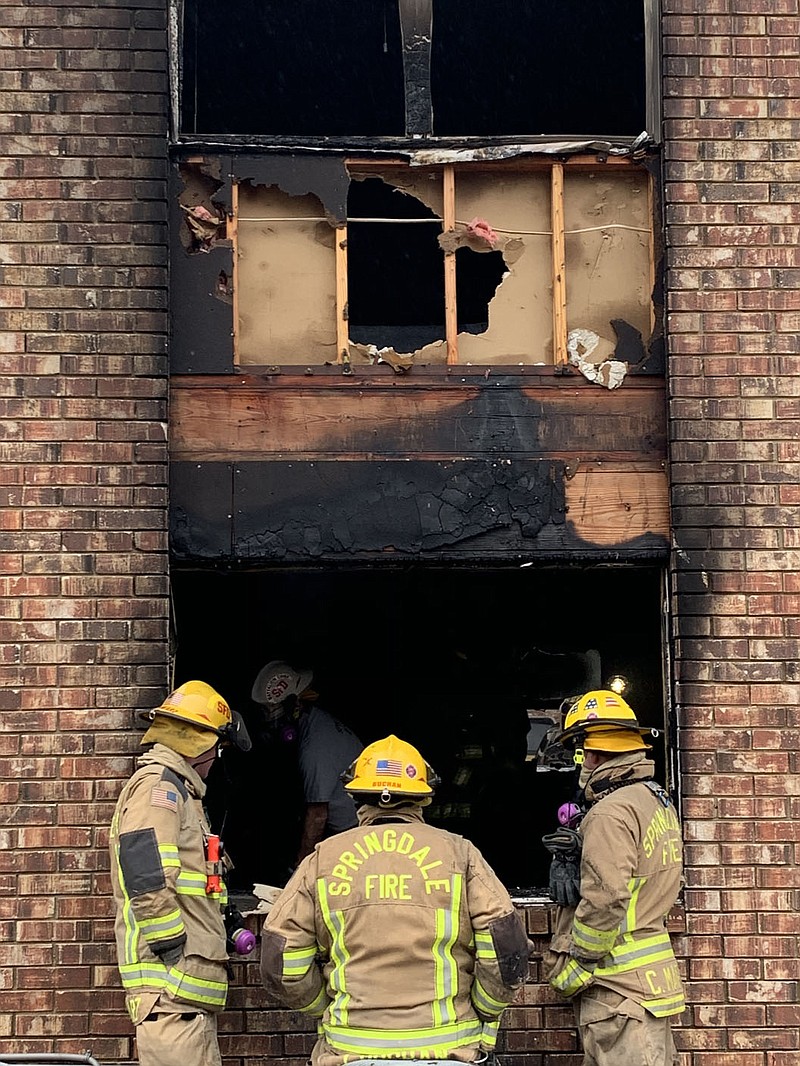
column 286, row 278
column 396, row 269
column 517, row 209
column 608, row 252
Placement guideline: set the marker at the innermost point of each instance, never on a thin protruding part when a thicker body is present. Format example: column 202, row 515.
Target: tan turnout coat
column 158, row 876
column 400, row 938
column 631, row 873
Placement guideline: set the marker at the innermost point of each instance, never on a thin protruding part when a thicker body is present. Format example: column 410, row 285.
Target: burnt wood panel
column 441, row 418
column 301, row 511
column 201, row 319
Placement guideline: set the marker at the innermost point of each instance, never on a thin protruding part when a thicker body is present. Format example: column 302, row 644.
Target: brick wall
column 732, row 99
column 82, row 527
column 83, row 610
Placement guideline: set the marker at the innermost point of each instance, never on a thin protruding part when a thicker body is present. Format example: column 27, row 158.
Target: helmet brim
column 235, row 733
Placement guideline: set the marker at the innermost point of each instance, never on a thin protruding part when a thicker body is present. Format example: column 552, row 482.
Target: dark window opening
column 318, row 68
column 459, row 662
column 307, row 69
column 396, row 272
column 538, row 67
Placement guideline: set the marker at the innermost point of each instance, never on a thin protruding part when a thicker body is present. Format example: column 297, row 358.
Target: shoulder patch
column 164, row 796
column 171, row 778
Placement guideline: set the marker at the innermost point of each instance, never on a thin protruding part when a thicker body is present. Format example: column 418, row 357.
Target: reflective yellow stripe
column 665, row 1005
column 634, row 887
column 197, row 989
column 489, row 1034
column 337, row 980
column 593, row 941
column 164, row 927
column 169, row 855
column 484, row 946
column 445, row 971
column 317, row 1005
column 631, row 953
column 374, row 1042
column 298, row 962
column 485, row 1003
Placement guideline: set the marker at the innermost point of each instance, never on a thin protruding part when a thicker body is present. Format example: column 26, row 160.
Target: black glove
column 565, row 867
column 171, row 955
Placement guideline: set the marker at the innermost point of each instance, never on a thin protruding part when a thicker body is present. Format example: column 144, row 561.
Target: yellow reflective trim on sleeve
column 445, row 970
column 298, row 962
column 317, row 1006
column 169, row 855
column 489, row 1035
column 484, row 1003
column 337, row 979
column 592, row 941
column 484, row 945
column 164, row 927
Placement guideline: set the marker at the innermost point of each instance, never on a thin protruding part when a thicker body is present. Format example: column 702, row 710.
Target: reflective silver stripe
column 485, row 1003
column 374, row 1041
column 445, row 969
column 298, row 962
column 489, row 1034
column 665, row 1005
column 317, row 1005
column 165, row 928
column 633, row 953
column 484, row 945
column 593, row 941
column 337, row 979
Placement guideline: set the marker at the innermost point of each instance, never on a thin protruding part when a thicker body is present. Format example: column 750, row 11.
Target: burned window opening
column 403, row 68
column 467, row 660
column 544, row 68
column 307, row 69
column 396, row 272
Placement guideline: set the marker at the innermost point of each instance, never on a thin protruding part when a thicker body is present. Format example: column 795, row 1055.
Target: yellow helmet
column 393, row 771
column 192, row 710
column 602, row 721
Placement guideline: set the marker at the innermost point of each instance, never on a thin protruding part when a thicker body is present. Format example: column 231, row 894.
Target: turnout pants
column 616, row 1031
column 176, row 1035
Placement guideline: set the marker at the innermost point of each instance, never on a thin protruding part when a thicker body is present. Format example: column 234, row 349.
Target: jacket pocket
column 200, row 981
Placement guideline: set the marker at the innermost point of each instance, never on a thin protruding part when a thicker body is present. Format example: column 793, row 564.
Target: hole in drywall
column 396, row 272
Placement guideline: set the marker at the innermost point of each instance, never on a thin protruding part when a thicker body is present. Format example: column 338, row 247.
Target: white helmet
column 277, row 681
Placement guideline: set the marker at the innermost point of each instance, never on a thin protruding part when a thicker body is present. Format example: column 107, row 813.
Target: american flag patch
column 163, row 796
column 390, row 767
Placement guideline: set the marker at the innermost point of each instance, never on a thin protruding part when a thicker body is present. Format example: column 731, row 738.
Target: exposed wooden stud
column 232, row 234
column 559, row 265
column 651, row 206
column 450, row 306
column 342, row 315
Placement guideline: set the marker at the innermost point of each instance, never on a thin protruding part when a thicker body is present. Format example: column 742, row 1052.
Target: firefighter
column 616, row 874
column 396, row 935
column 326, row 747
column 167, row 883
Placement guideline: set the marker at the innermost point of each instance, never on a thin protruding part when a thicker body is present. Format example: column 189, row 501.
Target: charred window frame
column 401, row 71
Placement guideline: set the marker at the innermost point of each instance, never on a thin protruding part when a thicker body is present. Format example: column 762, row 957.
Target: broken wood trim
column 342, row 329
column 232, row 234
column 450, row 305
column 558, row 244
